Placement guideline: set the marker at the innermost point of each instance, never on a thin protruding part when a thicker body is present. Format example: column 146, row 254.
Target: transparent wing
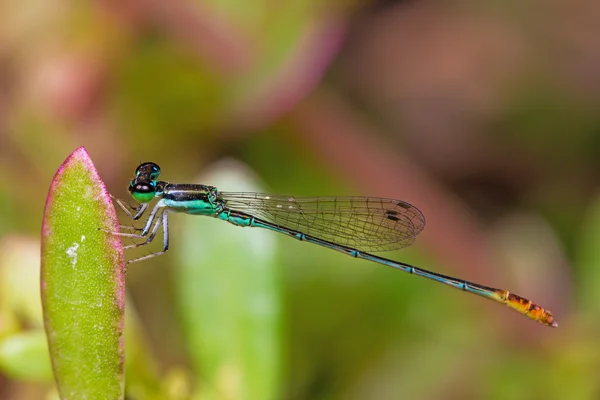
column 364, row 223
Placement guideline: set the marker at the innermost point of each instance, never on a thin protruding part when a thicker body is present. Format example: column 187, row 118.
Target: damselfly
column 350, row 225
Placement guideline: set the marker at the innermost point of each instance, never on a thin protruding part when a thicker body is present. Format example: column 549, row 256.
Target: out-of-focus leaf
column 83, row 283
column 229, row 299
column 25, row 356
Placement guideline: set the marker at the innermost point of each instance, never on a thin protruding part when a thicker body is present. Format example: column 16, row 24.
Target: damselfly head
column 148, row 169
column 143, row 186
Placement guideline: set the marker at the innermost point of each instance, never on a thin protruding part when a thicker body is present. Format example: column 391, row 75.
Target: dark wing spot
column 391, row 215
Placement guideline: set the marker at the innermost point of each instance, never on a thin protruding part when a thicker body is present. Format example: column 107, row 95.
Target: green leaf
column 25, row 356
column 230, row 302
column 83, row 283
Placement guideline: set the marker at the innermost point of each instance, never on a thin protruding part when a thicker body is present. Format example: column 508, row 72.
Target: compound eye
column 154, row 171
column 142, row 192
column 143, row 188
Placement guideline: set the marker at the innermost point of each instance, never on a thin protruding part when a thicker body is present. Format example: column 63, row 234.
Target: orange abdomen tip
column 530, row 309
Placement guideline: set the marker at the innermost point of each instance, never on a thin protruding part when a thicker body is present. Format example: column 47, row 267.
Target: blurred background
column 485, row 115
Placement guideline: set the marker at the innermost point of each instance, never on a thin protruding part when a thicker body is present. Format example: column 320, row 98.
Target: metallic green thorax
column 187, row 198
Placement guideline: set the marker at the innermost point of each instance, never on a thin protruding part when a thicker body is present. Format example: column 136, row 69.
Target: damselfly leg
column 157, row 218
